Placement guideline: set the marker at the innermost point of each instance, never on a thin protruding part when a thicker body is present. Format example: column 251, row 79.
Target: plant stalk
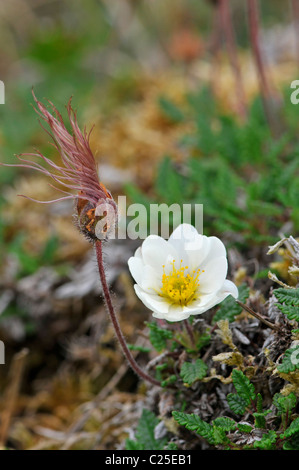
column 189, row 332
column 228, row 30
column 258, row 316
column 114, row 319
column 295, row 15
column 267, row 93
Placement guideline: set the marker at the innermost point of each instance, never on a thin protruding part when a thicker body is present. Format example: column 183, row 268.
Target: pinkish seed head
column 78, row 172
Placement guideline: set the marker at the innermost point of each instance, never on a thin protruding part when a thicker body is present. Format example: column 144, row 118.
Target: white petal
column 138, row 253
column 136, row 267
column 192, row 247
column 175, row 313
column 202, row 304
column 216, row 299
column 157, row 252
column 230, row 288
column 209, row 301
column 151, row 280
column 152, row 301
column 216, row 249
column 213, row 277
column 198, row 251
column 184, row 233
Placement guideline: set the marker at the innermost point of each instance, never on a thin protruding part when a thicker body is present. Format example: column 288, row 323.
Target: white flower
column 183, row 276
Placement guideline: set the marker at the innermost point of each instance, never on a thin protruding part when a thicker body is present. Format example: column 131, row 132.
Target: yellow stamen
column 179, row 287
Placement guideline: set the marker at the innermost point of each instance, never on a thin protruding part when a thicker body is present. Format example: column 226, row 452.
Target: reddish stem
column 228, row 30
column 253, row 18
column 115, row 322
column 266, row 91
column 189, row 332
column 295, row 14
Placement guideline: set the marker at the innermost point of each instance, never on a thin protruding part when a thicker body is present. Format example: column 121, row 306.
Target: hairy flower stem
column 258, row 316
column 115, row 322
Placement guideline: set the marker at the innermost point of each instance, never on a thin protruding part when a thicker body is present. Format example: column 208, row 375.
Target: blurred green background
column 91, row 48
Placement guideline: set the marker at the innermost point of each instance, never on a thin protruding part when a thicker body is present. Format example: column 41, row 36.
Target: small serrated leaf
column 145, row 434
column 243, row 427
column 158, row 336
column 227, row 424
column 267, row 441
column 287, row 296
column 290, row 311
column 259, row 403
column 292, row 430
column 194, row 423
column 243, row 386
column 236, row 403
column 260, row 421
column 219, row 436
column 290, row 361
column 284, row 404
column 192, row 371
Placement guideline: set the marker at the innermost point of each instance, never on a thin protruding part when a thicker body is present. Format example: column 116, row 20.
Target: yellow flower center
column 180, row 287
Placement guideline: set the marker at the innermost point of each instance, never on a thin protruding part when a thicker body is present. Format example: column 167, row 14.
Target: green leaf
column 227, row 424
column 292, row 430
column 236, row 403
column 202, row 341
column 292, row 444
column 287, row 296
column 264, row 208
column 133, row 445
column 170, row 380
column 158, row 336
column 170, row 110
column 229, row 308
column 192, row 371
column 259, row 403
column 244, row 427
column 290, row 361
column 243, row 386
column 288, row 302
column 134, row 347
column 145, row 434
column 193, row 422
column 284, row 404
column 171, row 446
column 50, row 249
column 136, row 195
column 267, row 441
column 260, row 421
column 219, row 436
column 289, row 311
column 169, row 183
column 28, row 264
column 259, row 415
